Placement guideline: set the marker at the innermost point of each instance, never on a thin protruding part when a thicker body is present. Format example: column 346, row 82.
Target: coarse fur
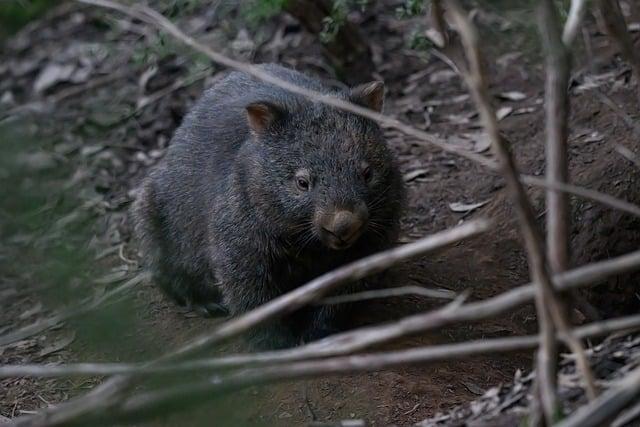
column 225, row 218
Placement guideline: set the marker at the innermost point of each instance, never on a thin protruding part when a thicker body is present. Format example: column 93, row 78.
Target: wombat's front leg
column 243, row 294
column 324, row 320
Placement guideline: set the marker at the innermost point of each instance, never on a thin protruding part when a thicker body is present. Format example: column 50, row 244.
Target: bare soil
column 483, row 266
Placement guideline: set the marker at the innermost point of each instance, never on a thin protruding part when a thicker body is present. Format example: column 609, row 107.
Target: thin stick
column 592, row 330
column 556, row 127
column 626, row 417
column 348, row 342
column 571, row 26
column 583, row 192
column 558, row 65
column 549, row 309
column 391, row 292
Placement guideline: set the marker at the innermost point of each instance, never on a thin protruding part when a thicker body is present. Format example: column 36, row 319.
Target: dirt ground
column 127, row 143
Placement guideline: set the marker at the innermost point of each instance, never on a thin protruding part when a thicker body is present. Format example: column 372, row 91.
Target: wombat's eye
column 366, row 174
column 302, row 183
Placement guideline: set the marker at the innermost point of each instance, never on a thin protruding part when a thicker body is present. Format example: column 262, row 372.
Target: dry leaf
column 473, row 388
column 466, row 207
column 480, row 142
column 503, row 112
column 512, row 95
column 442, row 76
column 60, row 344
column 51, row 75
column 416, row 173
column 594, row 137
column 523, row 110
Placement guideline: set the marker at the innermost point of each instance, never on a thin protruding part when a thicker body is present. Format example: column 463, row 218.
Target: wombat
column 261, row 191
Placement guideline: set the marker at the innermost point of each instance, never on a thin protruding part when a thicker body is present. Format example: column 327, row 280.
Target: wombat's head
column 322, row 174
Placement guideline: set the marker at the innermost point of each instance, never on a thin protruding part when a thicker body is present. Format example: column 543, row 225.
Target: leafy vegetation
column 14, row 14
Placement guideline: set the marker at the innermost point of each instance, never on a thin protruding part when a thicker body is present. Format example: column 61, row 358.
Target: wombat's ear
column 260, row 115
column 370, row 95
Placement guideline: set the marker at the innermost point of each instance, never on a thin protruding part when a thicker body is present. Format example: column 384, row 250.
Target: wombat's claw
column 211, row 309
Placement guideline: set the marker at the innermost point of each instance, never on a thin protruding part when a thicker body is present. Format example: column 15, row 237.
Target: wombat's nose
column 345, row 225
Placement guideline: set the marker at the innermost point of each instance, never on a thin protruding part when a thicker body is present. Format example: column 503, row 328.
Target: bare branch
column 628, row 154
column 549, row 308
column 576, row 15
column 428, row 354
column 391, row 292
column 557, row 171
column 558, row 65
column 583, row 192
column 104, row 396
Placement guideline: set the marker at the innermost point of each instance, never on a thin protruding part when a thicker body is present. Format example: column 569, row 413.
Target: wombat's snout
column 340, row 228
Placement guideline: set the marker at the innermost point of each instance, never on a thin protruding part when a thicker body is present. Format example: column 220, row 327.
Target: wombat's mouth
column 338, row 243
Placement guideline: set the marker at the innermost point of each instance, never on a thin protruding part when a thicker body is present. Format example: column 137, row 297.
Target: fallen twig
column 392, row 292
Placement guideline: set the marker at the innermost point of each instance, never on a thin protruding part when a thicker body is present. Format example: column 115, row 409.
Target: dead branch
column 428, row 354
column 392, row 292
column 105, row 395
column 556, row 127
column 549, row 309
column 628, row 154
column 583, row 192
column 362, row 338
column 558, row 65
